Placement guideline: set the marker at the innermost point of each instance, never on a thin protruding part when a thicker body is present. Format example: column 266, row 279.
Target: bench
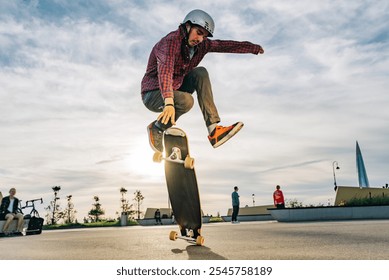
column 14, row 224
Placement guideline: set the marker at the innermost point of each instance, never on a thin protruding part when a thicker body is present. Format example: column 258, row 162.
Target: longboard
column 182, row 185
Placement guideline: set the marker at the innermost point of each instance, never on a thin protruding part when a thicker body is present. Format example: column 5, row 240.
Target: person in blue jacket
column 235, row 205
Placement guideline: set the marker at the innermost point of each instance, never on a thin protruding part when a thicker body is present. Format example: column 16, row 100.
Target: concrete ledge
column 329, row 213
column 252, row 210
column 151, row 222
column 249, row 218
column 13, row 226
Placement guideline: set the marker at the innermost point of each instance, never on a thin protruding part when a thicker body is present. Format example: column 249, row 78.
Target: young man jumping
column 172, row 76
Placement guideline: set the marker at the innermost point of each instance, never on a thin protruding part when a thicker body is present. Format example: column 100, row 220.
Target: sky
column 71, row 112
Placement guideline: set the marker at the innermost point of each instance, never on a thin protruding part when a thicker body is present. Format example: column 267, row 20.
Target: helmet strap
column 188, row 27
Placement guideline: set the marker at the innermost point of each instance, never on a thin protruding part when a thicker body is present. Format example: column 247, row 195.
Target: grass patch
column 215, row 220
column 88, row 225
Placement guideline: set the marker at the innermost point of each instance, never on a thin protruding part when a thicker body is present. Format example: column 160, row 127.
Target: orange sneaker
column 222, row 134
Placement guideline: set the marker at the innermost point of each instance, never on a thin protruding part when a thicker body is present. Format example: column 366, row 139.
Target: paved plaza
column 270, row 240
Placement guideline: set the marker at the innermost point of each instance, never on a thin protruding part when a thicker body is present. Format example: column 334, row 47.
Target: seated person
column 9, row 210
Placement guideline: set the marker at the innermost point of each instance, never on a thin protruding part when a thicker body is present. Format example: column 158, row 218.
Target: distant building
column 362, row 175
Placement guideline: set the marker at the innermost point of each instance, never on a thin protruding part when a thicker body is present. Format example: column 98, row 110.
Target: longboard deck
column 182, row 185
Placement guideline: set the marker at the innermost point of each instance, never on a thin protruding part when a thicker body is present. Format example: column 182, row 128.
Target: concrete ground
column 268, row 240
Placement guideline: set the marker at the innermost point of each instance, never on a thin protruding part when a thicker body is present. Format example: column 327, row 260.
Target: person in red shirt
column 172, row 75
column 278, row 198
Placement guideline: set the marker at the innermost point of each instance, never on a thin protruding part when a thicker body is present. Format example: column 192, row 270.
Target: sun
column 140, row 161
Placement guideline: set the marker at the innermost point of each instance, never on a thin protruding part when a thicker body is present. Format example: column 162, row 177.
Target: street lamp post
column 333, row 170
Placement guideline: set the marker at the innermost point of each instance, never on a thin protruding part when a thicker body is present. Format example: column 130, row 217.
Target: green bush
column 374, row 201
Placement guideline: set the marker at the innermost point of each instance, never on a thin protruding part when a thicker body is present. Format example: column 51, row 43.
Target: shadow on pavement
column 199, row 253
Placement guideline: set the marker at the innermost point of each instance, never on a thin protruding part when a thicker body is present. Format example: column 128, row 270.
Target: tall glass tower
column 362, row 176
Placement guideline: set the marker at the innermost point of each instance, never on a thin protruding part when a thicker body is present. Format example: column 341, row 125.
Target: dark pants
column 280, row 206
column 235, row 212
column 196, row 80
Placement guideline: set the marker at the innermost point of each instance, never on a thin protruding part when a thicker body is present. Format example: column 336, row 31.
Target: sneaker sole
column 234, row 131
column 151, row 144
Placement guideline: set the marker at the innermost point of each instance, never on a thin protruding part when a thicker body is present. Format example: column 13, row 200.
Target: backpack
column 35, row 226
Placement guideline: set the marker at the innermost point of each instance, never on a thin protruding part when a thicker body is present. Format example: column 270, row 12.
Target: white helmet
column 201, row 18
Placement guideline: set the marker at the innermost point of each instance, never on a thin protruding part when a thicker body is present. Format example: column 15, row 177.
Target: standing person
column 235, row 205
column 278, row 198
column 172, row 76
column 9, row 211
column 157, row 216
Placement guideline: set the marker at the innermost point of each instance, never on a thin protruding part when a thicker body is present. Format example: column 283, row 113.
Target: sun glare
column 141, row 162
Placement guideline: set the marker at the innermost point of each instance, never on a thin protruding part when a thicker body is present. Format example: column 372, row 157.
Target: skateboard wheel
column 173, row 235
column 157, row 157
column 199, row 240
column 189, row 162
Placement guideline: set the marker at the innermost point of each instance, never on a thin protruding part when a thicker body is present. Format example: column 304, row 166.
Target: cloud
column 72, row 115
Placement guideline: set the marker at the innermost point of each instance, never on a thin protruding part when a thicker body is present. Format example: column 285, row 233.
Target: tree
column 69, row 214
column 54, row 208
column 139, row 199
column 124, row 203
column 96, row 211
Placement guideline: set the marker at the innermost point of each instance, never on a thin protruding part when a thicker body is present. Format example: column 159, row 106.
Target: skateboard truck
column 199, row 240
column 176, row 157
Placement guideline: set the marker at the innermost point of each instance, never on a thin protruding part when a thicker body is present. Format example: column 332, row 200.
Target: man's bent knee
column 19, row 216
column 9, row 217
column 200, row 72
column 183, row 102
column 188, row 102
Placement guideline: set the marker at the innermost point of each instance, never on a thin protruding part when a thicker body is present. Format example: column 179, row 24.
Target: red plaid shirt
column 169, row 60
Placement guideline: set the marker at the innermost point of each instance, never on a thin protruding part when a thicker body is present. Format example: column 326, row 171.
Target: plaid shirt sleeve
column 166, row 55
column 226, row 46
